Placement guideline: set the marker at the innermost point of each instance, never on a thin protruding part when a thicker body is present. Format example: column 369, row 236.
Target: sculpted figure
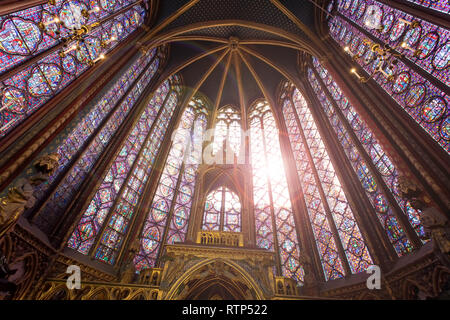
column 20, row 197
column 128, row 269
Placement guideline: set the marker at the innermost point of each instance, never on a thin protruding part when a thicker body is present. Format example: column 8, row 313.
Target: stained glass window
column 275, row 226
column 29, row 32
column 331, row 216
column 222, row 211
column 422, row 100
column 168, row 218
column 117, row 196
column 92, row 130
column 438, row 5
column 374, row 151
column 53, row 68
column 429, row 38
column 227, row 134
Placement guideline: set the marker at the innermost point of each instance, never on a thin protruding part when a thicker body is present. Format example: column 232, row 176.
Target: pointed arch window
column 438, row 5
column 227, row 134
column 93, row 130
column 29, row 32
column 167, row 220
column 52, row 69
column 420, row 83
column 106, row 220
column 431, row 39
column 343, row 118
column 275, row 225
column 341, row 247
column 222, row 211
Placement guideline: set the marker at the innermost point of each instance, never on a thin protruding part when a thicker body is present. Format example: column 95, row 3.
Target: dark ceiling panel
column 259, row 11
column 167, row 8
column 251, row 88
column 280, row 56
column 194, row 72
column 212, row 83
column 180, row 52
column 270, row 77
column 303, row 10
column 230, row 94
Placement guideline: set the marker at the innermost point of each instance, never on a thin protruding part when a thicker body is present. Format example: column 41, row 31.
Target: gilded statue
column 128, row 269
column 306, row 262
column 20, row 197
column 436, row 224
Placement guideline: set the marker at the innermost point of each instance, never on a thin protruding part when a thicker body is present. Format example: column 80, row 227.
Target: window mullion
column 329, row 216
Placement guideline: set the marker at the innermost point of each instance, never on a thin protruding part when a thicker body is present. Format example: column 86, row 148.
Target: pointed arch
column 341, row 246
column 227, row 134
column 37, row 64
column 168, row 218
column 105, row 221
column 242, row 273
column 376, row 171
column 222, row 211
column 420, row 78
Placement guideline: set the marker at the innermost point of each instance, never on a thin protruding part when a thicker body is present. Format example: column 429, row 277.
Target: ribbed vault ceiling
column 235, row 51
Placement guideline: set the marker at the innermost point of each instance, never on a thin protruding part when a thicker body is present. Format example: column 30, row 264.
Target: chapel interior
column 224, row 150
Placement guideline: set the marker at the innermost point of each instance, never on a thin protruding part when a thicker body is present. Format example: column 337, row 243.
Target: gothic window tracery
column 275, row 225
column 32, row 34
column 336, row 231
column 116, row 104
column 167, row 220
column 107, row 218
column 424, row 100
column 343, row 119
column 227, row 135
column 438, row 5
column 222, row 211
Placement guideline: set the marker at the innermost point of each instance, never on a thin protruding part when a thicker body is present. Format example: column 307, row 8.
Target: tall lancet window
column 91, row 130
column 37, row 35
column 438, row 5
column 227, row 134
column 222, row 211
column 344, row 117
column 167, row 220
column 340, row 244
column 419, row 81
column 275, row 226
column 105, row 222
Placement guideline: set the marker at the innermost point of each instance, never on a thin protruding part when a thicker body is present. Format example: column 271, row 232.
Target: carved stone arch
column 232, row 178
column 139, row 296
column 154, row 295
column 413, row 290
column 26, row 266
column 207, row 273
column 229, row 105
column 136, row 295
column 441, row 279
column 59, row 292
column 79, row 294
column 216, row 176
column 255, row 102
column 284, row 86
column 304, row 44
column 124, row 294
column 6, row 246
